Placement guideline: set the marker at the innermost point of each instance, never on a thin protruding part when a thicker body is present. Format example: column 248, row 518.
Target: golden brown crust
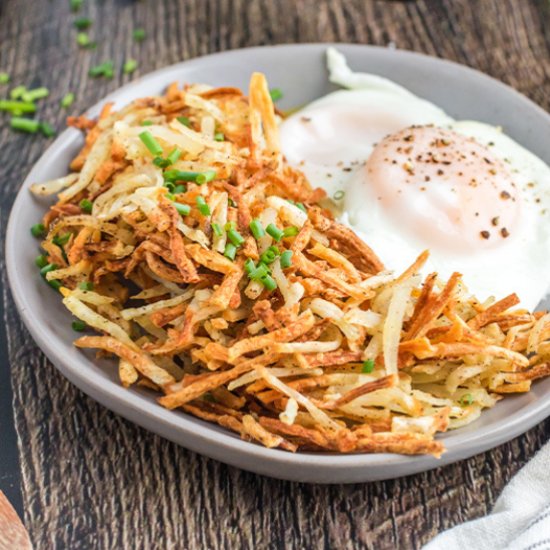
column 325, row 351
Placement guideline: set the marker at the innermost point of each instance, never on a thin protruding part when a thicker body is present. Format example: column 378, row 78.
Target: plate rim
column 128, row 403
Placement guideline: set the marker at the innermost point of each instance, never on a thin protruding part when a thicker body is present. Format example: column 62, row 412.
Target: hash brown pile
column 219, row 278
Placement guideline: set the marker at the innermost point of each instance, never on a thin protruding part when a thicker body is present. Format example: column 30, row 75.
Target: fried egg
column 408, row 177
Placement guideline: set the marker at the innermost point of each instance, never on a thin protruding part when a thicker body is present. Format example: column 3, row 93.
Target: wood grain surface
column 91, row 479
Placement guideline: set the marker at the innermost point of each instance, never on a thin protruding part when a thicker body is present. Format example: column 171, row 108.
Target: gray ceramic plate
column 299, row 70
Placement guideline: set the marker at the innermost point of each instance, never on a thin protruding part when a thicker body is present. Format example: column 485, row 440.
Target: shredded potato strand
column 208, row 269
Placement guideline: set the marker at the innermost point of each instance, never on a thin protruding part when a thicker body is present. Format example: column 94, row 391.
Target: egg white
column 331, row 139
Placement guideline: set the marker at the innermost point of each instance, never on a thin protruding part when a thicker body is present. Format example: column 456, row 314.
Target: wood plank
column 92, row 479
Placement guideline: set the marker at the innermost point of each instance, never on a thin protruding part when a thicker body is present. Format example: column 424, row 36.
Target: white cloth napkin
column 520, row 519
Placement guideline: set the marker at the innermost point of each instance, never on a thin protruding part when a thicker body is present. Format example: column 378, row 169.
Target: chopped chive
column 290, row 231
column 41, row 261
column 467, row 399
column 146, row 123
column 259, row 272
column 339, row 195
column 174, row 156
column 179, row 189
column 170, row 186
column 67, row 101
column 63, row 240
column 301, row 207
column 231, row 202
column 54, row 283
column 183, row 209
column 218, row 136
column 172, row 176
column 83, row 40
column 182, row 175
column 269, row 282
column 286, row 259
column 104, row 69
column 230, row 251
column 184, row 120
column 17, row 107
column 204, row 209
column 217, row 229
column 269, row 255
column 274, row 232
column 275, row 94
column 139, row 34
column 368, row 366
column 82, row 23
column 78, row 326
column 47, row 268
column 129, row 66
column 86, row 205
column 230, row 225
column 38, row 230
column 235, row 237
column 33, row 95
column 86, row 285
column 205, row 177
column 257, row 229
column 160, row 162
column 249, row 266
column 17, row 92
column 170, row 197
column 151, row 143
column 25, row 125
column 47, row 129
column 76, row 4
column 4, row 78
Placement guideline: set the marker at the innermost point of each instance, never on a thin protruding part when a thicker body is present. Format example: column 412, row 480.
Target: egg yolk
column 445, row 188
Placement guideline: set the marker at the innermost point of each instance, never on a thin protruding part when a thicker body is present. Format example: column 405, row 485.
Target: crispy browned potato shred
column 294, row 338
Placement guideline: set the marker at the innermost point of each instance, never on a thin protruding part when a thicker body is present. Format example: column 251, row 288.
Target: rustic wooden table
column 83, row 477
